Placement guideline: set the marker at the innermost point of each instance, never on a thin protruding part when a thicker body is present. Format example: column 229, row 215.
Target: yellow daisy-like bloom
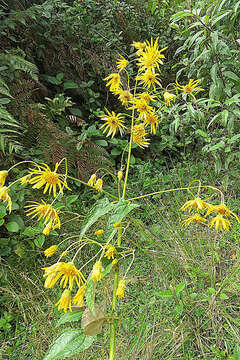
column 168, row 97
column 124, row 96
column 152, row 120
column 65, row 301
column 151, row 57
column 47, row 212
column 220, row 222
column 140, row 46
column 190, row 87
column 121, row 289
column 222, row 209
column 25, row 179
column 142, row 107
column 195, row 203
column 146, row 97
column 122, row 63
column 195, row 218
column 96, row 272
column 92, row 180
column 48, row 178
column 139, row 135
column 5, row 197
column 114, row 81
column 148, row 78
column 78, row 298
column 68, row 272
column 3, row 175
column 113, row 123
column 110, row 251
column 99, row 232
column 51, row 251
column 99, row 184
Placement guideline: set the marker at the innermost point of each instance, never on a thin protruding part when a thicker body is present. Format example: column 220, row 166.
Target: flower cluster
column 96, row 184
column 4, row 190
column 219, row 221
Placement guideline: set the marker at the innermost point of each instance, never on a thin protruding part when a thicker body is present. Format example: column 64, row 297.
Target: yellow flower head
column 195, row 218
column 121, row 289
column 124, row 96
column 122, row 63
column 120, row 175
column 148, row 79
column 92, row 180
column 78, row 298
column 51, row 179
column 168, row 97
column 151, row 57
column 68, row 272
column 98, row 185
column 51, row 251
column 152, row 120
column 47, row 212
column 220, row 222
column 115, row 261
column 139, row 135
column 114, row 81
column 116, row 224
column 99, row 232
column 142, row 107
column 190, row 87
column 4, row 196
column 195, row 203
column 146, row 97
column 222, row 209
column 65, row 301
column 3, row 175
column 113, row 123
column 110, row 251
column 140, row 46
column 25, row 179
column 96, row 272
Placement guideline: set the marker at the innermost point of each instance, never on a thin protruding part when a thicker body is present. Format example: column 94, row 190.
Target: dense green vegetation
column 182, row 292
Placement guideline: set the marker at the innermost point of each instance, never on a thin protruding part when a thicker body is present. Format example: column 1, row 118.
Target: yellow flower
column 68, row 272
column 51, row 250
column 92, row 180
column 139, row 135
column 78, row 298
column 152, row 120
column 197, row 203
column 98, row 185
column 122, row 63
column 190, row 87
column 168, row 97
column 47, row 212
column 113, row 123
column 121, row 289
column 114, row 81
column 65, row 301
column 142, row 107
column 3, row 175
column 120, row 175
column 96, row 272
column 151, row 57
column 115, row 261
column 25, row 179
column 124, row 96
column 222, row 209
column 195, row 218
column 116, row 224
column 148, row 78
column 99, row 232
column 220, row 222
column 5, row 197
column 146, row 97
column 48, row 178
column 110, row 251
column 140, row 46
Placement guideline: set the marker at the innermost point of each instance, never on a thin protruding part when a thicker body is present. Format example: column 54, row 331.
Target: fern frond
column 19, row 63
column 4, row 114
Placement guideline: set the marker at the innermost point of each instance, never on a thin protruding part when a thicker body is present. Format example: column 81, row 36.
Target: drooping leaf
column 70, row 317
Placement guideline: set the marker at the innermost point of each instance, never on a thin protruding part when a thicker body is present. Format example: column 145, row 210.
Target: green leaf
column 107, row 270
column 1, row 222
column 165, row 294
column 70, row 343
column 3, row 211
column 39, row 241
column 70, row 85
column 71, row 199
column 30, row 232
column 12, row 226
column 233, row 139
column 18, row 219
column 231, row 75
column 217, row 146
column 101, row 142
column 115, row 152
column 70, row 317
column 89, row 295
column 76, row 112
column 223, row 296
column 180, row 287
column 213, row 72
